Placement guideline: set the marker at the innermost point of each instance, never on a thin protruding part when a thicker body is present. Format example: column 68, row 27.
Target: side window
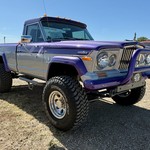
column 35, row 32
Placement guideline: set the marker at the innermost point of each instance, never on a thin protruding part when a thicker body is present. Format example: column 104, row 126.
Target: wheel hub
column 57, row 104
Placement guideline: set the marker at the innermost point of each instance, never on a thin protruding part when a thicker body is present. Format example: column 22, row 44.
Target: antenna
column 4, row 39
column 44, row 8
column 134, row 39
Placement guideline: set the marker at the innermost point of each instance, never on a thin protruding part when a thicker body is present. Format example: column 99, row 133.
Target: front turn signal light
column 86, row 58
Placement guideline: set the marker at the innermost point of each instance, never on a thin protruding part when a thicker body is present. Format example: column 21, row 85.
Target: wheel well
column 57, row 69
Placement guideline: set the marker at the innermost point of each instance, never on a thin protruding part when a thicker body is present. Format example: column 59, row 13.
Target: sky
column 107, row 20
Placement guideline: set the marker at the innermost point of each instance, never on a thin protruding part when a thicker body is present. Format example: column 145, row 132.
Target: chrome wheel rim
column 57, row 104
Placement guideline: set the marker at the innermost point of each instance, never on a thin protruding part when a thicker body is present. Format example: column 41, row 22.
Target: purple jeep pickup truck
column 75, row 68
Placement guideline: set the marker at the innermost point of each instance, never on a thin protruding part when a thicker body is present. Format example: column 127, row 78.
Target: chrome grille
column 126, row 56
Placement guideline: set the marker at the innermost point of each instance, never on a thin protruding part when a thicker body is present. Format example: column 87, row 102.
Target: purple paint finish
column 73, row 61
column 55, row 19
column 92, row 86
column 102, row 83
column 84, row 45
column 51, row 49
column 5, row 63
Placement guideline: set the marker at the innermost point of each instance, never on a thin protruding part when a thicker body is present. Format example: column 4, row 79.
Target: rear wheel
column 130, row 97
column 65, row 102
column 5, row 80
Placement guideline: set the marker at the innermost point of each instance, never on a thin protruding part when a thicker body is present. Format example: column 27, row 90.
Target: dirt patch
column 24, row 125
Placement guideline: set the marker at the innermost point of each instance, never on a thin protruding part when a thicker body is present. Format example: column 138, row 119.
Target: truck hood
column 89, row 45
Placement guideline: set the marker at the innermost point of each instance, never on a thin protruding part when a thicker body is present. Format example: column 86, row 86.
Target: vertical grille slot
column 126, row 56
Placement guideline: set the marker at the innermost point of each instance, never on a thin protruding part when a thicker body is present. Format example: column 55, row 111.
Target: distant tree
column 140, row 39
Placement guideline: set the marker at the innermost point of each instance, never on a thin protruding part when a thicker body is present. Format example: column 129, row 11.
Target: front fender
column 76, row 62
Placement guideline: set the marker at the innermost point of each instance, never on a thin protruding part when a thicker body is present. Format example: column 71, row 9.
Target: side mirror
column 26, row 38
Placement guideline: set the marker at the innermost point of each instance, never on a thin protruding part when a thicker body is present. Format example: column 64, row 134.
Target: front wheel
column 130, row 97
column 65, row 102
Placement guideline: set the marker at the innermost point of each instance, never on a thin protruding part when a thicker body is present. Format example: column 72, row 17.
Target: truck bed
column 8, row 52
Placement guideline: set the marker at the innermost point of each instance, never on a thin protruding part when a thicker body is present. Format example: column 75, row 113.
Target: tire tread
column 78, row 95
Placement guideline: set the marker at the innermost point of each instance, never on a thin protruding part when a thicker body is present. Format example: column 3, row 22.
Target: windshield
column 61, row 31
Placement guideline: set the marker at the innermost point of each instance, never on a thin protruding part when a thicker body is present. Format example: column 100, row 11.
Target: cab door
column 30, row 55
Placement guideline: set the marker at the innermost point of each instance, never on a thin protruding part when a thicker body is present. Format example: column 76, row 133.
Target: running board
column 31, row 83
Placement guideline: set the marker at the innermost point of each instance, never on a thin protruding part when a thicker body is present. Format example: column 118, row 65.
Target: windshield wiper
column 82, row 39
column 63, row 39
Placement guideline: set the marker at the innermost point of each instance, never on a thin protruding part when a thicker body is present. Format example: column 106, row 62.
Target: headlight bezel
column 114, row 57
column 110, row 59
column 145, row 62
column 147, row 59
column 102, row 60
column 142, row 58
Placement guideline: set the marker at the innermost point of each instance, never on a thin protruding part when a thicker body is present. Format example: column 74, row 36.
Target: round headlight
column 137, row 63
column 112, row 60
column 141, row 58
column 103, row 60
column 148, row 59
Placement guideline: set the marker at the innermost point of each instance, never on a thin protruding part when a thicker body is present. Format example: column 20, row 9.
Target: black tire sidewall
column 68, row 120
column 135, row 96
column 5, row 80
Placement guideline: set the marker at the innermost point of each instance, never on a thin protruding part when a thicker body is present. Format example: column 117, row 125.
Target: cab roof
column 56, row 19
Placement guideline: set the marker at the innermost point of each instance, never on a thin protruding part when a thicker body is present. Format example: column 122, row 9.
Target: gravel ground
column 24, row 126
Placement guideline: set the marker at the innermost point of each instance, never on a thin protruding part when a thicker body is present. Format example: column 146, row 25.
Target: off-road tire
column 134, row 96
column 5, row 80
column 75, row 98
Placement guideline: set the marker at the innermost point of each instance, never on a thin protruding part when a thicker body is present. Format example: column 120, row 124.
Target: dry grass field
column 24, row 125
